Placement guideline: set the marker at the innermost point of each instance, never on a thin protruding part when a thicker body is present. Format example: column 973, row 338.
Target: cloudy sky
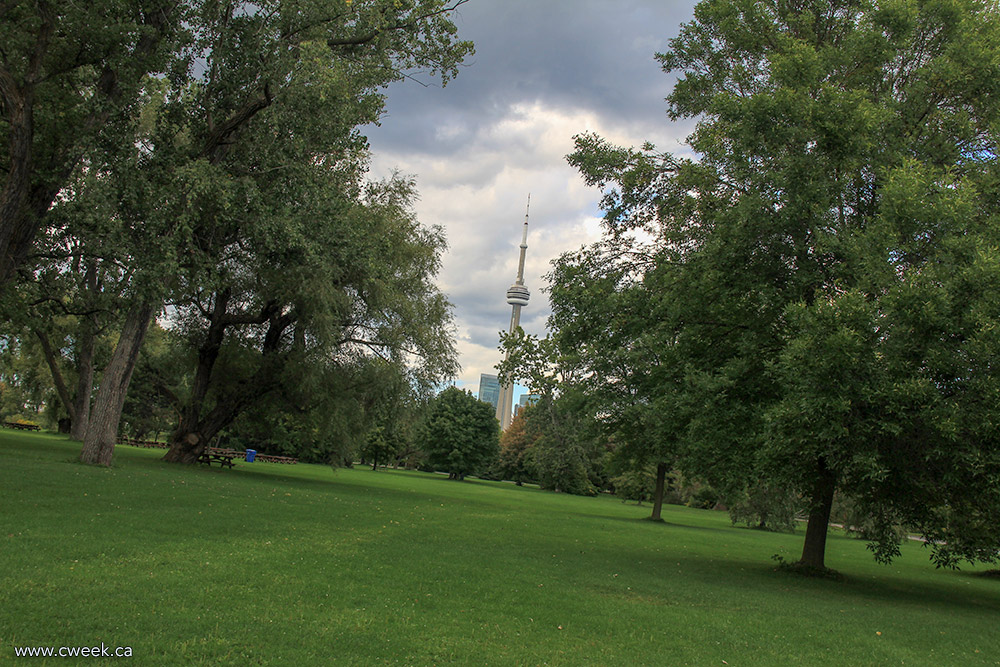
column 544, row 71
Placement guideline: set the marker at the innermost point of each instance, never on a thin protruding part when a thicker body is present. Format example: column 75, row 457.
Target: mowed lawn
column 272, row 564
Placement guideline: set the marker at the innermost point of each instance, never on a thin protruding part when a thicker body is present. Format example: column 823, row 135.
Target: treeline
column 189, row 243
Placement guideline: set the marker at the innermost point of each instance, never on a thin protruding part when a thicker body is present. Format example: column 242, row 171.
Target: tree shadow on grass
column 751, row 577
column 648, row 521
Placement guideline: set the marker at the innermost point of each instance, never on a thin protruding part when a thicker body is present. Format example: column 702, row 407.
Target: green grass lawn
column 276, row 564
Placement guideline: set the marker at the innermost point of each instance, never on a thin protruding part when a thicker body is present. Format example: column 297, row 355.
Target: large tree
column 354, row 283
column 460, row 434
column 262, row 103
column 513, row 461
column 607, row 317
column 567, row 446
column 830, row 258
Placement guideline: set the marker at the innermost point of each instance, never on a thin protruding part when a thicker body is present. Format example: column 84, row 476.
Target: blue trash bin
column 250, row 454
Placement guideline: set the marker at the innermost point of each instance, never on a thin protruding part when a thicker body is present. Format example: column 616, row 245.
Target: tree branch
column 358, row 40
column 218, row 139
column 161, row 386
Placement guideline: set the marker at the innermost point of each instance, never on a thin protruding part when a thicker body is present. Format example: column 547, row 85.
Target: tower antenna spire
column 524, row 248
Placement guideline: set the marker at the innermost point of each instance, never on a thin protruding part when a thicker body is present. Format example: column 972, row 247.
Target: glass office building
column 489, row 389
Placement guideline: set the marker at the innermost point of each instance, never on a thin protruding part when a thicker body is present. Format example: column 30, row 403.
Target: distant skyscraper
column 528, row 399
column 489, row 389
column 517, row 296
column 525, row 401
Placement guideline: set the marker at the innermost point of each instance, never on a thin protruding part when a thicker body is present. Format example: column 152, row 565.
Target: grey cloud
column 589, row 54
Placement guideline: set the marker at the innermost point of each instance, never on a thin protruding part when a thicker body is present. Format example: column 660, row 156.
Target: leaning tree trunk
column 186, row 446
column 814, row 548
column 661, row 477
column 77, row 405
column 191, row 438
column 188, row 441
column 57, row 377
column 102, row 433
column 84, row 385
column 195, row 430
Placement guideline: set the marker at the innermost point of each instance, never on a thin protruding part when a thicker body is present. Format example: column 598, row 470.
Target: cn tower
column 517, row 296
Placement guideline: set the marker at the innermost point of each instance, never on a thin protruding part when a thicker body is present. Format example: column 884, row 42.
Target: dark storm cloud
column 574, row 54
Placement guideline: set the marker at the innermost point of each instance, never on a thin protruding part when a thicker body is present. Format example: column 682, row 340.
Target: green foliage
column 858, row 521
column 322, row 414
column 812, row 300
column 148, row 410
column 704, row 498
column 379, row 447
column 70, row 89
column 208, row 155
column 460, row 434
column 635, row 485
column 765, row 508
column 568, row 449
column 290, row 261
column 514, row 460
column 25, row 383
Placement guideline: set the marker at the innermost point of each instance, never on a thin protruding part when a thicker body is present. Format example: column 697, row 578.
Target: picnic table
column 22, row 427
column 224, row 457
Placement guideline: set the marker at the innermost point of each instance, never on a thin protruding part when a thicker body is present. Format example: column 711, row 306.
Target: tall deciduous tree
column 513, row 462
column 606, row 310
column 355, row 282
column 460, row 434
column 262, row 102
column 830, row 259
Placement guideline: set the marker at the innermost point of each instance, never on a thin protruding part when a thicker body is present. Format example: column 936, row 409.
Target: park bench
column 268, row 458
column 148, row 444
column 22, row 427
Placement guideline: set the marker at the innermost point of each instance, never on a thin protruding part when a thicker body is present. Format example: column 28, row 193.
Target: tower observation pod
column 517, row 297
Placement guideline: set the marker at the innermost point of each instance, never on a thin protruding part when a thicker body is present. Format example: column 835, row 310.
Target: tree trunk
column 57, row 377
column 77, row 405
column 16, row 225
column 86, row 344
column 102, row 433
column 814, row 548
column 185, row 447
column 84, row 384
column 661, row 477
column 188, row 440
